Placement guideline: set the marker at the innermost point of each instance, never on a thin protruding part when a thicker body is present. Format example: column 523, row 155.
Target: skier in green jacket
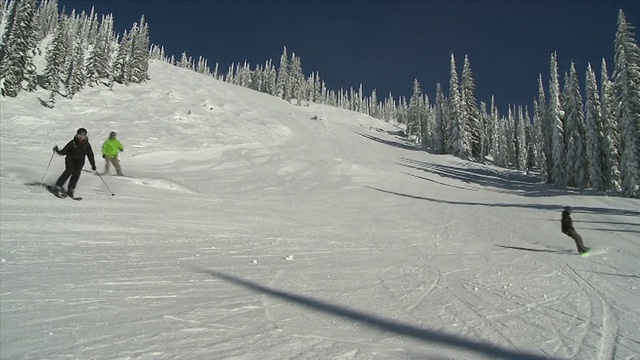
column 110, row 149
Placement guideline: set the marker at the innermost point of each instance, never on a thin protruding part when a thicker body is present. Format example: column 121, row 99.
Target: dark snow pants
column 578, row 239
column 72, row 170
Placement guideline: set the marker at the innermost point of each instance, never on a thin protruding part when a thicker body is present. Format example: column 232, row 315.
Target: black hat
column 81, row 131
column 567, row 209
column 112, row 134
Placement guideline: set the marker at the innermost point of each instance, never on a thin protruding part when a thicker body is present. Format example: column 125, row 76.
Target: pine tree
column 99, row 64
column 593, row 118
column 529, row 134
column 122, row 62
column 457, row 116
column 510, row 134
column 472, row 121
column 283, row 89
column 558, row 170
column 271, row 75
column 610, row 139
column 296, row 79
column 496, row 136
column 414, row 113
column 521, row 133
column 546, row 134
column 577, row 168
column 427, row 123
column 76, row 73
column 139, row 71
column 8, row 14
column 484, row 130
column 56, row 58
column 47, row 18
column 440, row 118
column 19, row 48
column 626, row 77
column 537, row 141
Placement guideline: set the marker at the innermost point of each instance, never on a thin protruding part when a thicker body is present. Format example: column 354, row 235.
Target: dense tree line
column 583, row 138
column 79, row 50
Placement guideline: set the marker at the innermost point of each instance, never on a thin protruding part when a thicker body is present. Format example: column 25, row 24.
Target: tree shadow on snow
column 553, row 251
column 550, row 207
column 402, row 143
column 501, row 180
column 378, row 322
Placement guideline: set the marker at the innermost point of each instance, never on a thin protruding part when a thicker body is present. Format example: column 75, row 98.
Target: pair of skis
column 60, row 194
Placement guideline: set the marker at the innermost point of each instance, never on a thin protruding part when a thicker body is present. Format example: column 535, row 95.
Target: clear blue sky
column 386, row 44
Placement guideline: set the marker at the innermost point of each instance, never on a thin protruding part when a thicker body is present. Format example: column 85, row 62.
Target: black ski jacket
column 76, row 152
column 567, row 224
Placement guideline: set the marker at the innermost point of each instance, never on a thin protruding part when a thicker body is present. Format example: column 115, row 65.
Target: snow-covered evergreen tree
column 18, row 49
column 626, row 79
column 593, row 119
column 427, row 123
column 47, row 18
column 296, row 79
column 139, row 62
column 546, row 134
column 494, row 120
column 76, row 73
column 484, row 131
column 270, row 74
column 613, row 181
column 521, row 140
column 283, row 85
column 576, row 161
column 121, row 64
column 56, row 58
column 538, row 142
column 440, row 118
column 472, row 121
column 529, row 134
column 91, row 28
column 457, row 116
column 415, row 112
column 555, row 113
column 99, row 64
column 510, row 135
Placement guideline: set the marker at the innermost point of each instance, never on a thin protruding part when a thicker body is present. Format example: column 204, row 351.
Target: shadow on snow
column 508, row 181
column 505, row 179
column 576, row 209
column 378, row 322
column 537, row 250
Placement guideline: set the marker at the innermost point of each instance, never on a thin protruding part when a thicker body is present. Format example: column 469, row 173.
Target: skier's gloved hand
column 55, row 148
column 93, row 167
column 104, row 156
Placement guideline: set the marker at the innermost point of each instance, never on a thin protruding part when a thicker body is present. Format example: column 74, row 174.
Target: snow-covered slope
column 247, row 229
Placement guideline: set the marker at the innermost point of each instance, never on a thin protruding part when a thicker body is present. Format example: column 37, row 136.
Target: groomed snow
column 248, row 230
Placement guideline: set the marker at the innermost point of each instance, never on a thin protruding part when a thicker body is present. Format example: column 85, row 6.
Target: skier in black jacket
column 567, row 229
column 75, row 152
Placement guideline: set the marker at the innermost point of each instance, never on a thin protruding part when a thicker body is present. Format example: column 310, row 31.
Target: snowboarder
column 110, row 149
column 76, row 150
column 567, row 229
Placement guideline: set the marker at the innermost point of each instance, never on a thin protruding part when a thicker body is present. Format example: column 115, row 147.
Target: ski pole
column 105, row 183
column 45, row 172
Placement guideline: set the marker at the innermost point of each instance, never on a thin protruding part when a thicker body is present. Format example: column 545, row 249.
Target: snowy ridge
column 252, row 228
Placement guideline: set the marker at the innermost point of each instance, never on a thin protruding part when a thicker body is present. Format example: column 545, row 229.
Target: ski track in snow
column 341, row 221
